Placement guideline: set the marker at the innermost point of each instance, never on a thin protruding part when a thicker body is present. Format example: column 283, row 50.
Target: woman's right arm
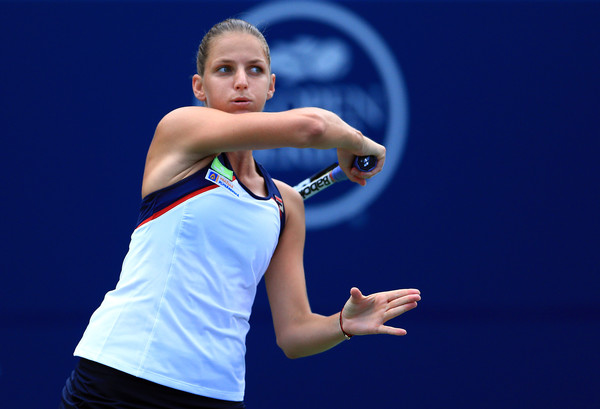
column 186, row 136
column 205, row 131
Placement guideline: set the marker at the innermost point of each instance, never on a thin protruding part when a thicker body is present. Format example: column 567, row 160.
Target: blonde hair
column 227, row 26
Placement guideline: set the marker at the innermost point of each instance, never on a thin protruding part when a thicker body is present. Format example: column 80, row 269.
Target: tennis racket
column 331, row 175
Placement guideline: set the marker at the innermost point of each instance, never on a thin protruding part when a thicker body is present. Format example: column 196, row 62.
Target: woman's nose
column 241, row 80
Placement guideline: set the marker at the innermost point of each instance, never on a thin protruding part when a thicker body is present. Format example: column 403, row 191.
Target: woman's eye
column 256, row 70
column 224, row 69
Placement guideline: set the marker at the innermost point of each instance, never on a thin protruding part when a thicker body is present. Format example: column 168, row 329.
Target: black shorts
column 96, row 386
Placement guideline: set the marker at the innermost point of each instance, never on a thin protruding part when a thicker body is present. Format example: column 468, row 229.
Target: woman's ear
column 271, row 89
column 198, row 87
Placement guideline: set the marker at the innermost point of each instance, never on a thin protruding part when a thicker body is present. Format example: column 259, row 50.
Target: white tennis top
column 179, row 313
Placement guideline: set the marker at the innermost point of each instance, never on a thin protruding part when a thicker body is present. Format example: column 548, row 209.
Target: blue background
column 493, row 212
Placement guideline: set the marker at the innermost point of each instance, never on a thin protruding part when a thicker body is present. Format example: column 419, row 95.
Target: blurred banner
column 488, row 202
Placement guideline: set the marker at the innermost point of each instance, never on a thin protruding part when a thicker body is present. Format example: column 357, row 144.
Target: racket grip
column 365, row 163
column 338, row 175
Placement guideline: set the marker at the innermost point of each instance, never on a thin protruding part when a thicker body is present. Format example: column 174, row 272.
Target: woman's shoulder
column 185, row 113
column 290, row 196
column 286, row 189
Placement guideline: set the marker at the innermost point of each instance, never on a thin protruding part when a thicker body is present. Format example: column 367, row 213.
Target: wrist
column 346, row 334
column 357, row 143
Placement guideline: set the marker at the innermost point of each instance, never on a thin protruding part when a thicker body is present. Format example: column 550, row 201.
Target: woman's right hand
column 346, row 160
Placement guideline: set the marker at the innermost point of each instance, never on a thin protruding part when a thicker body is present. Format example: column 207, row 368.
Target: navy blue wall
column 492, row 210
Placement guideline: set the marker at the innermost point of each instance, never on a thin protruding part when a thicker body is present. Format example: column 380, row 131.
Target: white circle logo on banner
column 318, row 58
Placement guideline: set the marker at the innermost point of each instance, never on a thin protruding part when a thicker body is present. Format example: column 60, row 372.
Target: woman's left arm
column 299, row 331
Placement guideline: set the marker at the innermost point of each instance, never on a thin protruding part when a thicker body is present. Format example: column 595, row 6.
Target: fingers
column 357, row 176
column 394, row 312
column 405, row 300
column 369, row 313
column 387, row 330
column 392, row 295
column 361, row 177
column 346, row 159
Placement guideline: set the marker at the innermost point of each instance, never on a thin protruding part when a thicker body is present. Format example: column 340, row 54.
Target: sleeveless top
column 180, row 312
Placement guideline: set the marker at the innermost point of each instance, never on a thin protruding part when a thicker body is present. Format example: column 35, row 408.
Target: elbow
column 288, row 349
column 291, row 355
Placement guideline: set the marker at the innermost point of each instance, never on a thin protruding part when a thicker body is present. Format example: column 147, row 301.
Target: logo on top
column 324, row 55
column 222, row 181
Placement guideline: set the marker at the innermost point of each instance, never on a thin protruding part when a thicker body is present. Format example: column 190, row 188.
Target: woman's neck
column 242, row 163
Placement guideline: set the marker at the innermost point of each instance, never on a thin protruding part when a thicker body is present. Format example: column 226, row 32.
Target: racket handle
column 362, row 163
column 338, row 175
column 330, row 175
column 365, row 163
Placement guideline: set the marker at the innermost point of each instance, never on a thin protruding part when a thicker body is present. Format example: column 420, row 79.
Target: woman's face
column 237, row 77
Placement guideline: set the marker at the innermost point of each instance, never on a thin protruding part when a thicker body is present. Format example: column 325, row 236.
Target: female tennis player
column 212, row 223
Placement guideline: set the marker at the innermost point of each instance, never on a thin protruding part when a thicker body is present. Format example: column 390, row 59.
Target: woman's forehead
column 235, row 43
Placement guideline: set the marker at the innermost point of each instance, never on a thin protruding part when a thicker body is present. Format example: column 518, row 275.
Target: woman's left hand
column 364, row 315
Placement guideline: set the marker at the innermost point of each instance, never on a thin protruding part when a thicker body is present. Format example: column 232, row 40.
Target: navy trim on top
column 159, row 201
column 273, row 193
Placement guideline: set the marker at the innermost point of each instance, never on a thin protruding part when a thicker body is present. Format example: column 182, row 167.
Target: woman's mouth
column 241, row 101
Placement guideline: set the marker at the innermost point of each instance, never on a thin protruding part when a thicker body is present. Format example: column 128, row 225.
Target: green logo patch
column 218, row 167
